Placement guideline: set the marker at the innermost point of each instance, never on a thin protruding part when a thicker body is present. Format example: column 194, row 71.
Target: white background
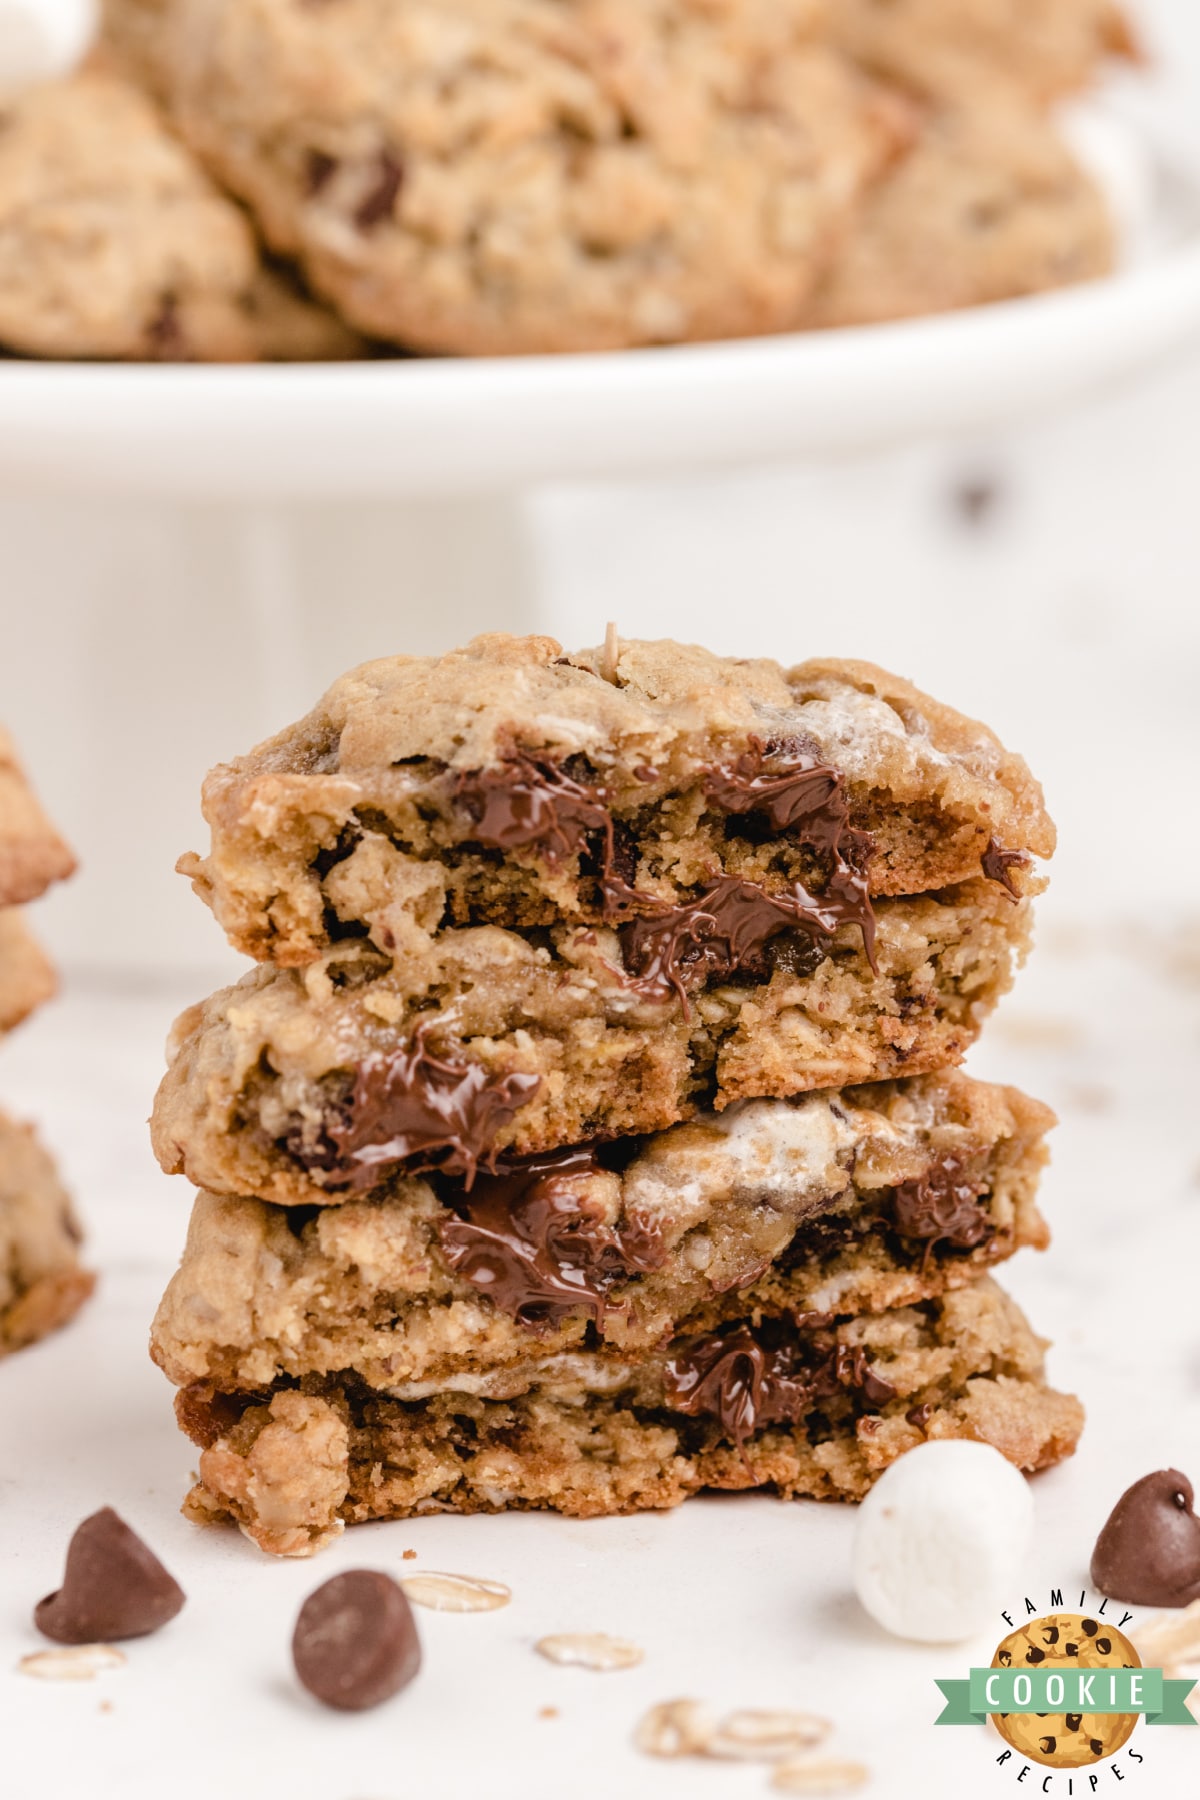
column 1066, row 614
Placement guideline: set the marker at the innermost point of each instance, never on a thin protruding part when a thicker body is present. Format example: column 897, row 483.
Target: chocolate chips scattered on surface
column 415, row 1109
column 942, row 1207
column 1148, row 1553
column 745, row 1385
column 355, row 1642
column 531, row 1240
column 113, row 1587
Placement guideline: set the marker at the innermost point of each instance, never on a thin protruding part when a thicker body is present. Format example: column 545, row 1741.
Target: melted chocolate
column 418, row 1110
column 942, row 1207
column 805, row 799
column 728, row 927
column 996, row 863
column 524, row 804
column 539, row 1249
column 742, row 1384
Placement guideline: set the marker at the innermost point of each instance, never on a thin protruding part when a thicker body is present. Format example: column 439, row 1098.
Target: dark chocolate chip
column 1073, row 1721
column 996, row 863
column 416, row 1110
column 744, row 1384
column 1034, row 1655
column 113, row 1587
column 1148, row 1553
column 532, row 1239
column 942, row 1207
column 355, row 1642
column 377, row 203
column 1047, row 1745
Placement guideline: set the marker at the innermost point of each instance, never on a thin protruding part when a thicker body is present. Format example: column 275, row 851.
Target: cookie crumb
column 547, row 1712
column 408, row 1555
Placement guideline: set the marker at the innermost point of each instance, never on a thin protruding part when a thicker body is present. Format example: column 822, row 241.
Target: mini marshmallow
column 41, row 40
column 940, row 1541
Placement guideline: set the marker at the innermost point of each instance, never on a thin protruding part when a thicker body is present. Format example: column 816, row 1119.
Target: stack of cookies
column 589, row 1132
column 41, row 1282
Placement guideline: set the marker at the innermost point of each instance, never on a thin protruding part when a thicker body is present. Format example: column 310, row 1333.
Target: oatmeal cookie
column 312, row 1086
column 509, row 784
column 950, row 48
column 837, row 1204
column 27, row 977
column 502, row 176
column 42, row 1285
column 988, row 205
column 32, row 854
column 820, row 1412
column 115, row 244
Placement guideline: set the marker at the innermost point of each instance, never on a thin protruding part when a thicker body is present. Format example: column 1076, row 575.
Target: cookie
column 506, row 176
column 950, row 48
column 115, row 244
column 819, row 1413
column 509, row 784
column 42, row 1284
column 988, row 205
column 312, row 1086
column 32, row 854
column 833, row 1205
column 1066, row 1640
column 27, row 977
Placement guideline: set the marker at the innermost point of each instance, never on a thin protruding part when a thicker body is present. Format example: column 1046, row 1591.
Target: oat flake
column 455, row 1593
column 74, row 1662
column 590, row 1650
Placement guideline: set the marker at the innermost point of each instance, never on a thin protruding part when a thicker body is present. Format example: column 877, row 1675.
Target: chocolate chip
column 1148, row 1553
column 1047, row 1745
column 319, row 166
column 377, row 203
column 414, row 1109
column 942, row 1206
column 533, row 1240
column 355, row 1642
column 1034, row 1655
column 1073, row 1721
column 996, row 863
column 744, row 1384
column 113, row 1587
column 1090, row 1627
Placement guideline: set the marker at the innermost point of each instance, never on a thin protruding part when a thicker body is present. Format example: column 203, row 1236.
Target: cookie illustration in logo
column 1066, row 1640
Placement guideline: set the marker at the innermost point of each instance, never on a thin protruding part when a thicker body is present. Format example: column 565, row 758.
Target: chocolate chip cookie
column 834, row 1205
column 501, row 176
column 42, row 1284
column 818, row 1411
column 950, row 48
column 115, row 244
column 32, row 854
column 27, row 977
column 988, row 204
column 511, row 784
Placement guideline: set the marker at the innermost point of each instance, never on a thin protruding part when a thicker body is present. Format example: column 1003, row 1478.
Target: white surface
column 940, row 1542
column 427, row 428
column 741, row 1601
column 42, row 39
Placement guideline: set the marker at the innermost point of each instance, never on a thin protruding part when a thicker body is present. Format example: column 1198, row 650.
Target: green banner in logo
column 1066, row 1690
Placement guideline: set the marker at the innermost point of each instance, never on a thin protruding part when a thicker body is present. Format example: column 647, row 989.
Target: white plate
column 431, row 428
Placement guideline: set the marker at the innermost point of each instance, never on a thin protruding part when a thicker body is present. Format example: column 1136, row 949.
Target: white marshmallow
column 42, row 39
column 940, row 1541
